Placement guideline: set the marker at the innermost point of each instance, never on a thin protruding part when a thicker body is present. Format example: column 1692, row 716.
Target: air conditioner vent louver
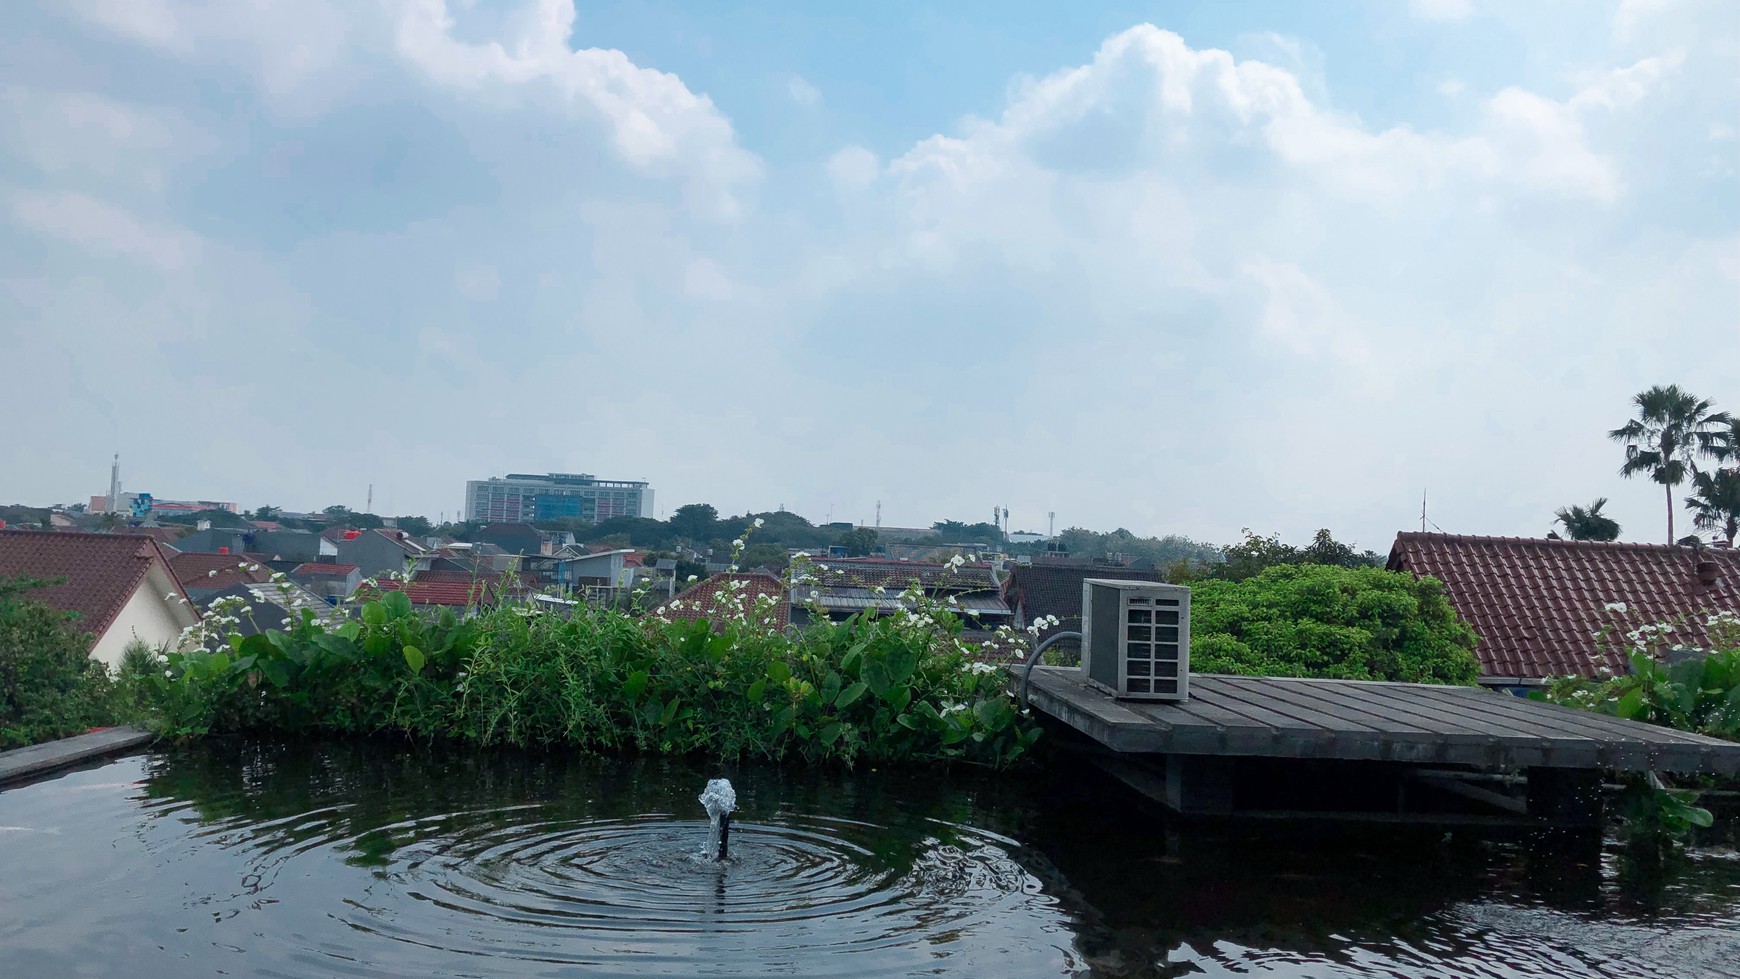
column 1136, row 638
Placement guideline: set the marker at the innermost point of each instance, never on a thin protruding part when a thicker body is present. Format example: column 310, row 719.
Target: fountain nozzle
column 720, row 800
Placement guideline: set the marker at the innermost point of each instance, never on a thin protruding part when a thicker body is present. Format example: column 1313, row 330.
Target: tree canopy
column 1325, row 621
column 1587, row 523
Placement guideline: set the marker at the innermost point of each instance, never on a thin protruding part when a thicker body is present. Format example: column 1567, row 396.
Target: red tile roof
column 1050, row 589
column 451, row 594
column 205, row 572
column 316, row 569
column 1537, row 604
column 708, row 599
column 102, row 570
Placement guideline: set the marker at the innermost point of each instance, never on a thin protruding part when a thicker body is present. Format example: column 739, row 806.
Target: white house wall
column 147, row 616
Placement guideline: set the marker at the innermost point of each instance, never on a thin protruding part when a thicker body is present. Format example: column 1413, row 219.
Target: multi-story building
column 522, row 498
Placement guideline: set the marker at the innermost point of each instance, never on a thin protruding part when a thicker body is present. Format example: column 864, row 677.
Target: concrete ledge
column 39, row 759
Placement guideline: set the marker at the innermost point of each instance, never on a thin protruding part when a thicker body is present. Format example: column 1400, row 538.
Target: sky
column 1174, row 267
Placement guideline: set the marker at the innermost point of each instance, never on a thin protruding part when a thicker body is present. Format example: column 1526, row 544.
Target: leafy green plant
column 1651, row 812
column 49, row 686
column 884, row 688
column 1700, row 692
column 1327, row 621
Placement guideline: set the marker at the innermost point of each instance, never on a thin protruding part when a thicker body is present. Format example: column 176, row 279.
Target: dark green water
column 372, row 860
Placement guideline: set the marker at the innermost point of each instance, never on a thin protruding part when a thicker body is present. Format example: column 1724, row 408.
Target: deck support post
column 1199, row 785
column 1566, row 798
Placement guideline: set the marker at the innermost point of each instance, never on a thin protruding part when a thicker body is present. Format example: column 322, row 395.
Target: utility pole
column 369, row 507
column 878, row 514
column 1422, row 511
column 1051, row 523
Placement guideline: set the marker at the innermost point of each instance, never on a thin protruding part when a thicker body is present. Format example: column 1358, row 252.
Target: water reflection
column 367, row 859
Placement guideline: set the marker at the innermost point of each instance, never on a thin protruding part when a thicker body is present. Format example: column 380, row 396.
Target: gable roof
column 102, row 570
column 450, row 594
column 1055, row 589
column 209, row 572
column 711, row 599
column 1537, row 604
column 315, row 569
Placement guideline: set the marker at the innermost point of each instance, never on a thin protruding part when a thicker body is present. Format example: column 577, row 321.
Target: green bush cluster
column 1325, row 621
column 1699, row 693
column 879, row 689
column 49, row 686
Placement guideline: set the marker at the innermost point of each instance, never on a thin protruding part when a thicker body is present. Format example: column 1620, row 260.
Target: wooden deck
column 1347, row 720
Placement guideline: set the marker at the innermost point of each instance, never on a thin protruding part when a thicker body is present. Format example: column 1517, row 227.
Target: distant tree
column 1255, row 554
column 339, row 513
column 695, row 522
column 859, row 542
column 110, row 522
column 267, row 512
column 1715, row 502
column 1672, row 428
column 958, row 532
column 1587, row 523
column 763, row 555
column 417, row 526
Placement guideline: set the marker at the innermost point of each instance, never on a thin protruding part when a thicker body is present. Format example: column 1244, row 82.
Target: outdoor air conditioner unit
column 1136, row 638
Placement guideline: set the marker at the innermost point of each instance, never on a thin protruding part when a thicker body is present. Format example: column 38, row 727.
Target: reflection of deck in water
column 1383, row 751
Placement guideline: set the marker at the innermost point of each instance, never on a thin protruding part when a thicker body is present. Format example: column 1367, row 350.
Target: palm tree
column 1671, row 430
column 1587, row 523
column 1715, row 502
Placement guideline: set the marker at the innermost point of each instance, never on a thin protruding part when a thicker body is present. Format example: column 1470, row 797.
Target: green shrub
column 1324, row 621
column 884, row 689
column 49, row 686
column 1699, row 693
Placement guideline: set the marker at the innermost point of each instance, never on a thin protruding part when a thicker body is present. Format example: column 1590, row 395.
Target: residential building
column 523, row 498
column 276, row 545
column 1036, row 590
column 842, row 587
column 513, row 538
column 382, row 551
column 331, row 583
column 759, row 597
column 1548, row 608
column 203, row 575
column 120, row 585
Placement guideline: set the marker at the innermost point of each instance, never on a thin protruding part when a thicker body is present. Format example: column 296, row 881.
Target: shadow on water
column 375, row 859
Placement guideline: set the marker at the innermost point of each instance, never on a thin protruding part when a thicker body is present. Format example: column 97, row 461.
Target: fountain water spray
column 720, row 799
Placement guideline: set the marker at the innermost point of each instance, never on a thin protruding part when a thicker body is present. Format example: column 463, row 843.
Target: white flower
column 694, row 577
column 212, row 573
column 737, row 543
column 814, row 595
column 759, row 522
column 1614, row 607
column 980, row 669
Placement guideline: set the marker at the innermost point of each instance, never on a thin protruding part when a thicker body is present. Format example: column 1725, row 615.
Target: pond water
column 348, row 859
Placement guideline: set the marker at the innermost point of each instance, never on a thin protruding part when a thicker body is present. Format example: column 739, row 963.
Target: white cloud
column 1441, row 9
column 1317, row 312
column 102, row 228
column 853, row 166
column 655, row 122
column 802, row 92
column 1452, row 87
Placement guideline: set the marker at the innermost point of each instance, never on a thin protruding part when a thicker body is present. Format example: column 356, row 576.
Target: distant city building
column 522, row 498
column 144, row 504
